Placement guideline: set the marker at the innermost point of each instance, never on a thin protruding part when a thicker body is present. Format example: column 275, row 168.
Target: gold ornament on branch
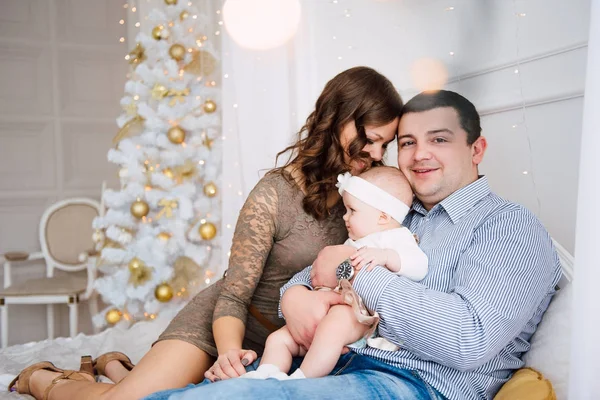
column 159, row 91
column 184, row 14
column 131, row 108
column 170, row 2
column 158, row 32
column 133, row 127
column 177, row 52
column 135, row 265
column 176, row 135
column 167, row 208
column 140, row 276
column 203, row 63
column 210, row 189
column 187, row 170
column 208, row 142
column 168, row 172
column 112, row 316
column 139, row 209
column 163, row 292
column 178, row 96
column 164, row 236
column 207, row 231
column 137, row 55
column 209, row 106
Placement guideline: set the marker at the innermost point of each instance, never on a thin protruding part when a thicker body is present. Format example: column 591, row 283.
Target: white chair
column 65, row 233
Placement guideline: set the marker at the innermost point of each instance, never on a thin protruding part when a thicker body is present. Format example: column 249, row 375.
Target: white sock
column 298, row 374
column 263, row 371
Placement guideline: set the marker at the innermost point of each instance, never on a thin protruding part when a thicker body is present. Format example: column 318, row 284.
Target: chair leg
column 73, row 310
column 4, row 323
column 50, row 320
column 93, row 306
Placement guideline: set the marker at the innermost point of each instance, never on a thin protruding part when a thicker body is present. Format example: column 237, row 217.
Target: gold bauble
column 170, row 2
column 164, row 236
column 184, row 14
column 176, row 135
column 139, row 208
column 113, row 316
column 135, row 265
column 203, row 63
column 209, row 106
column 177, row 52
column 157, row 32
column 210, row 189
column 168, row 172
column 207, row 230
column 163, row 292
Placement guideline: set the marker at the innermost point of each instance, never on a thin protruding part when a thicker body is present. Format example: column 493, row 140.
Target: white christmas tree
column 158, row 238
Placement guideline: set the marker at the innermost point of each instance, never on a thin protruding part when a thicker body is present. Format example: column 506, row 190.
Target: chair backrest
column 66, row 233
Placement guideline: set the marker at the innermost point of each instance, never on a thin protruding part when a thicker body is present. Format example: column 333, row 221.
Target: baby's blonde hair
column 392, row 180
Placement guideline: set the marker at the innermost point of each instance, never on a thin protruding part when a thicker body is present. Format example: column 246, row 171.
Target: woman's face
column 377, row 140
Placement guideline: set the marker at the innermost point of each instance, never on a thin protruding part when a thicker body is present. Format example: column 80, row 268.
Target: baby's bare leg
column 280, row 348
column 339, row 328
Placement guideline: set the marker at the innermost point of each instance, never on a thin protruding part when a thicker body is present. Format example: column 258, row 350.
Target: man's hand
column 323, row 269
column 303, row 309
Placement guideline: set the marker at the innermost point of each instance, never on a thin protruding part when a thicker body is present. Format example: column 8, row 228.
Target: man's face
column 434, row 155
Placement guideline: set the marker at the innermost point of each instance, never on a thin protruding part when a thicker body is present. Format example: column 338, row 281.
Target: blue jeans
column 354, row 377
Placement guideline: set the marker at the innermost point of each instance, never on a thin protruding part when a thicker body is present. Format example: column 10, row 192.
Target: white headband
column 372, row 195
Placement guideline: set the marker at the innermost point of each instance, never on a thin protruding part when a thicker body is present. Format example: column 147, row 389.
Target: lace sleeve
column 252, row 242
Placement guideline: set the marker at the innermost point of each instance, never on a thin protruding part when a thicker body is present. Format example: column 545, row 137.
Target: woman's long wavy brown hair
column 359, row 94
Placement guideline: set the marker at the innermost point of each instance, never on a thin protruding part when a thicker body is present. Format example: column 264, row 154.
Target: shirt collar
column 461, row 201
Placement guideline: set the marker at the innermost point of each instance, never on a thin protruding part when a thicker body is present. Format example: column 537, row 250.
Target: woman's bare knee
column 169, row 364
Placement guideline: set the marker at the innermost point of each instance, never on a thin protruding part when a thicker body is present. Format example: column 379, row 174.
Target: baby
column 373, row 218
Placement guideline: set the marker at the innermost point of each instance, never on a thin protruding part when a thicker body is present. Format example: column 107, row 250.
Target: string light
column 449, row 9
column 122, row 21
column 523, row 111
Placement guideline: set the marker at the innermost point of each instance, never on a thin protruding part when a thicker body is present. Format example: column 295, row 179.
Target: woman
column 291, row 214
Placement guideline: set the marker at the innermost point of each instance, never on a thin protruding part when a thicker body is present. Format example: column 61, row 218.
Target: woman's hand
column 230, row 365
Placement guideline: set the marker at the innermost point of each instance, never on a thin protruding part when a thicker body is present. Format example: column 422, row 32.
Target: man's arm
column 500, row 281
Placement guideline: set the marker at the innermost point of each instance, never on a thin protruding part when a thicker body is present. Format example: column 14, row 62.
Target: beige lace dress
column 273, row 240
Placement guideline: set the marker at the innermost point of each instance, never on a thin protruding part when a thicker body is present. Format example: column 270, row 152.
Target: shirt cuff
column 370, row 285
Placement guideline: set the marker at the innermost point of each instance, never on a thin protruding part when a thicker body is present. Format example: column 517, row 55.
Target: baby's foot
column 264, row 371
column 281, row 376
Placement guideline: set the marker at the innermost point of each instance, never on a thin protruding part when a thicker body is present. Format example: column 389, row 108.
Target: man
column 462, row 329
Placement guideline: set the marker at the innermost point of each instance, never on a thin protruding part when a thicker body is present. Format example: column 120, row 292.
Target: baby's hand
column 369, row 257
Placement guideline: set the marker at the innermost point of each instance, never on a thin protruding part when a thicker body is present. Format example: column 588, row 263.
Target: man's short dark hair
column 467, row 113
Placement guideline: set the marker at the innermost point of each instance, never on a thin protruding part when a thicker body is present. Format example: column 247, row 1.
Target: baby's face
column 361, row 219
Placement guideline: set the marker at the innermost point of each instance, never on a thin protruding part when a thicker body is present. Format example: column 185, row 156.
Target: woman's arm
column 252, row 243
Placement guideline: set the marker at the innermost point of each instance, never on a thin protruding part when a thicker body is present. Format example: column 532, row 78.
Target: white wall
column 532, row 118
column 61, row 78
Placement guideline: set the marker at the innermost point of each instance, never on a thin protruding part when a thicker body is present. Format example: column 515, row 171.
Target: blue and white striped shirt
column 492, row 274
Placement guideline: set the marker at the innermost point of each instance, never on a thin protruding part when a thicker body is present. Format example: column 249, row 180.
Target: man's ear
column 478, row 150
